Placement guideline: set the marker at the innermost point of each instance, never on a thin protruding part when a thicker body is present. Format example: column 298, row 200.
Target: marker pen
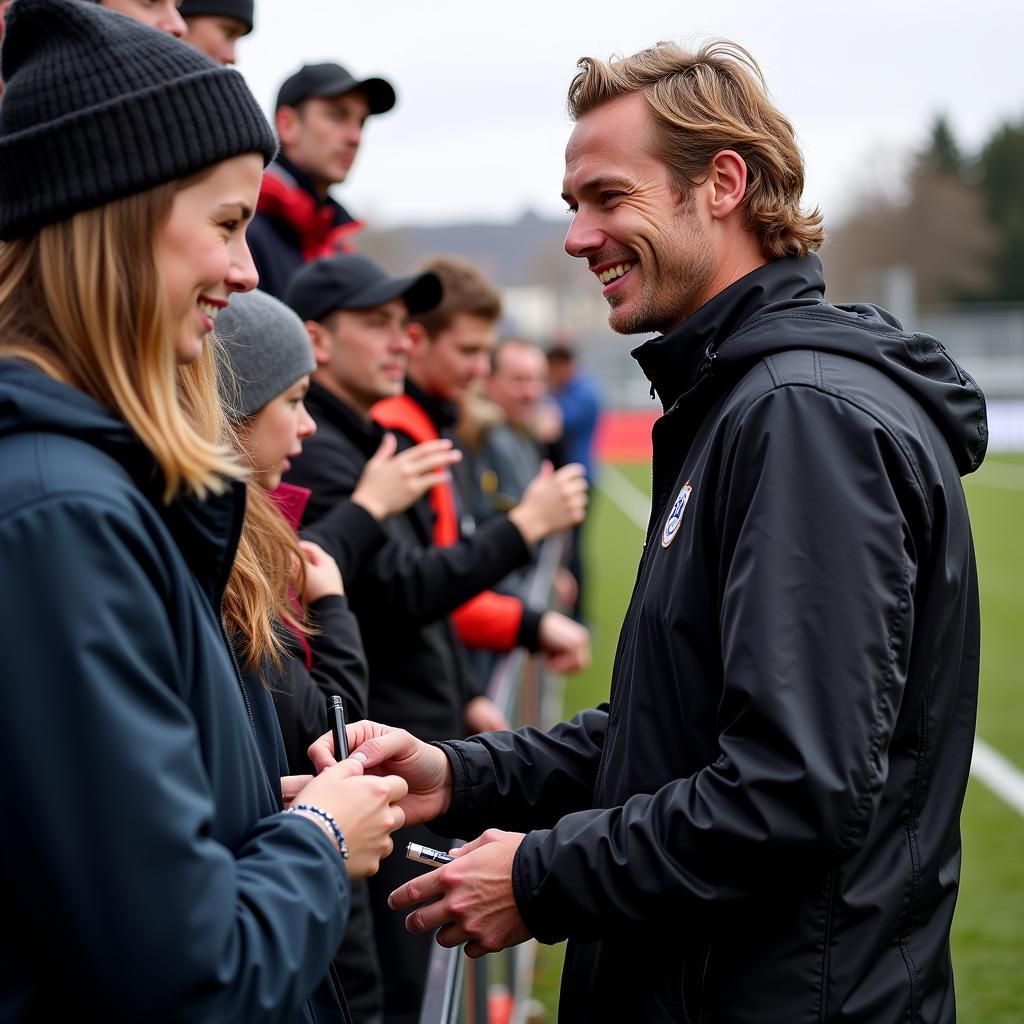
column 425, row 855
column 336, row 716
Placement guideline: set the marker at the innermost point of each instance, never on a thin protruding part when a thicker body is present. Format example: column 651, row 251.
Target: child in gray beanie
column 265, row 349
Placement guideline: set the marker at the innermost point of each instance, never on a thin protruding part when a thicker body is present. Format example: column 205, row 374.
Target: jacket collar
column 673, row 361
column 443, row 414
column 206, row 532
column 304, row 181
column 323, row 405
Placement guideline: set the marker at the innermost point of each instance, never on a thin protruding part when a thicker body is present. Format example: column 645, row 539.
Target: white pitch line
column 1002, row 776
column 988, row 766
column 630, row 499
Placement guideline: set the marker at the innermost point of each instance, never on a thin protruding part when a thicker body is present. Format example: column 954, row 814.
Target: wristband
column 319, row 812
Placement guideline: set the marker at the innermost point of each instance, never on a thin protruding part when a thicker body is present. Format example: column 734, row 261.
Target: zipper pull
column 706, row 367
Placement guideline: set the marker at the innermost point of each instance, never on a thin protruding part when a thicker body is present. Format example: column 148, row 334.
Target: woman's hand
column 323, row 576
column 366, row 808
column 383, row 750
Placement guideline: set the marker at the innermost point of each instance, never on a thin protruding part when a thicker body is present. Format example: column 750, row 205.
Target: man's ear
column 321, row 340
column 418, row 335
column 728, row 178
column 288, row 122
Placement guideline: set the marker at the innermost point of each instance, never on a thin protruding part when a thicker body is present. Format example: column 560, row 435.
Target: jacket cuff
column 323, row 606
column 460, row 818
column 532, row 915
column 529, row 630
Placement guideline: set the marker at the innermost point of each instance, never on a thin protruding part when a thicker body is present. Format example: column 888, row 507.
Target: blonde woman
column 149, row 869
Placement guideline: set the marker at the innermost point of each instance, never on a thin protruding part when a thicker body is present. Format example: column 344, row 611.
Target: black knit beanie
column 97, row 106
column 241, row 10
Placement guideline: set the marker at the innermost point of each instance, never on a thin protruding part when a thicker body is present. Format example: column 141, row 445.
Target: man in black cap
column 321, row 111
column 215, row 26
column 419, row 678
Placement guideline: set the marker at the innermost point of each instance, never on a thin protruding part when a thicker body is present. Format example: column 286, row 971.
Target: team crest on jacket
column 675, row 517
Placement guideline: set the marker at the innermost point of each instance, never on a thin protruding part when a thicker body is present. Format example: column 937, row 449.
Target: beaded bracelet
column 331, row 824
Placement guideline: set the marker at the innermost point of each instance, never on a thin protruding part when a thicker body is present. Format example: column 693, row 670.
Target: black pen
column 336, row 716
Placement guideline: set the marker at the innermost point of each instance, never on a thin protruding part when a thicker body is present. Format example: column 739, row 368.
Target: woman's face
column 201, row 254
column 275, row 434
column 159, row 14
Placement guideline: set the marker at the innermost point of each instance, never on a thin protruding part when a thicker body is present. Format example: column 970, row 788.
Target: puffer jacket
column 148, row 870
column 763, row 824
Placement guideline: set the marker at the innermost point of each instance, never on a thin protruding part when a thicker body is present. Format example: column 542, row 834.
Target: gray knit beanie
column 264, row 350
column 97, row 106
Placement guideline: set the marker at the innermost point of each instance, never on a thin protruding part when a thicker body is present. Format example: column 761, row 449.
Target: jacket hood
column 781, row 306
column 206, row 531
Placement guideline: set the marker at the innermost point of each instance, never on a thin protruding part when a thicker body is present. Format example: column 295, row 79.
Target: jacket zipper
column 238, row 674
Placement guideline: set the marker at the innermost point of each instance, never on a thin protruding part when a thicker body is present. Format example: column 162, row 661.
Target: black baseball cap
column 240, row 10
column 356, row 282
column 334, row 80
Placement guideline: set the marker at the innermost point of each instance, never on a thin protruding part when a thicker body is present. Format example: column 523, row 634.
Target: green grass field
column 988, row 938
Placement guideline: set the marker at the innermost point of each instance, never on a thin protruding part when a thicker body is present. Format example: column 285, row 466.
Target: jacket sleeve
column 110, row 808
column 523, row 779
column 425, row 584
column 349, row 534
column 815, row 507
column 339, row 661
column 490, row 621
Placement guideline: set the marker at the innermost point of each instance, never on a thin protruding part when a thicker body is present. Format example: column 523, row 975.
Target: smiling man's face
column 647, row 244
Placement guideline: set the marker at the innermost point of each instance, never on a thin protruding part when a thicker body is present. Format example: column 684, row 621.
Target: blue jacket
column 148, row 872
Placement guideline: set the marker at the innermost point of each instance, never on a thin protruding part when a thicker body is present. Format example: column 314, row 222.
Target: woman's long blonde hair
column 83, row 301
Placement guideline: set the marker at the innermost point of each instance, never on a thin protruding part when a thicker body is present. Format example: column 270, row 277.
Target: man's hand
column 474, row 900
column 553, row 501
column 565, row 643
column 390, row 483
column 383, row 750
column 483, row 715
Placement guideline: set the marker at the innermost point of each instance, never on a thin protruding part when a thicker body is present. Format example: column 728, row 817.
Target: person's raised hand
column 390, row 483
column 553, row 500
column 564, row 642
column 481, row 714
column 383, row 750
column 473, row 897
column 367, row 809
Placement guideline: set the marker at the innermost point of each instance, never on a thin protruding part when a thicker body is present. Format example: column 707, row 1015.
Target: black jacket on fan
column 404, row 592
column 763, row 823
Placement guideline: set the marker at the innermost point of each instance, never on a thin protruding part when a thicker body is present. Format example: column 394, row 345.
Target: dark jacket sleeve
column 425, row 584
column 421, row 583
column 817, row 565
column 339, row 661
column 338, row 669
column 349, row 534
column 110, row 809
column 523, row 779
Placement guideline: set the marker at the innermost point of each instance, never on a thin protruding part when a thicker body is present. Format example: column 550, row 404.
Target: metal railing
column 458, row 989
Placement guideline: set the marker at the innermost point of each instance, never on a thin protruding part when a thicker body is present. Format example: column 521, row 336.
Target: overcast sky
column 480, row 126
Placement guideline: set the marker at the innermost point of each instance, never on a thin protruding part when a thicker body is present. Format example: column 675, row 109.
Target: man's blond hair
column 702, row 102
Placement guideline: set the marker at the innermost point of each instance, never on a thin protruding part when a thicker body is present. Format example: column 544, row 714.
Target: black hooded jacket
column 763, row 824
column 148, row 871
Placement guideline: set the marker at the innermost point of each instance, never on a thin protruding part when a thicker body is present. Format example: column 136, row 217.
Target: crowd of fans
column 403, row 464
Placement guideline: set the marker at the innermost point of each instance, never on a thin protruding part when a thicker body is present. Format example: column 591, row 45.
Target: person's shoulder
column 53, row 467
